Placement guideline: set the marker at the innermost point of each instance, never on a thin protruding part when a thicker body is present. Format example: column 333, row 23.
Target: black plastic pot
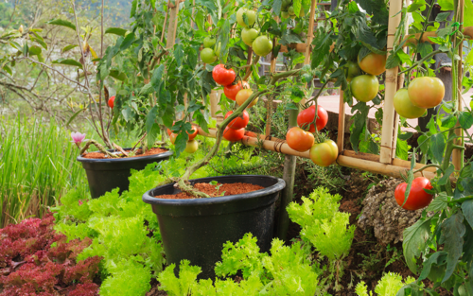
column 196, row 229
column 104, row 175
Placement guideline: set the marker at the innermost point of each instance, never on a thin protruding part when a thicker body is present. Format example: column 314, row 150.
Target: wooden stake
column 391, row 84
column 341, row 122
column 309, row 38
column 458, row 155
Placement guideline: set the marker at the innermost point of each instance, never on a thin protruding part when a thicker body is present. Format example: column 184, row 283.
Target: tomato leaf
column 378, row 10
column 402, row 149
column 438, row 258
column 118, row 75
column 437, row 146
column 467, row 211
column 439, row 203
column 359, row 123
column 152, row 128
column 127, row 42
column 414, row 241
column 452, row 233
column 156, row 79
column 277, row 6
column 465, row 119
column 63, row 23
column 444, row 180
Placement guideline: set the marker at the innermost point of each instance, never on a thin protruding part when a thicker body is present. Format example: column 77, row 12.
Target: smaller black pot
column 196, row 229
column 104, row 175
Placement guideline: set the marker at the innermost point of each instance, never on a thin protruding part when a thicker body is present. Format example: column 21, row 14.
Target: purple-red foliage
column 29, row 265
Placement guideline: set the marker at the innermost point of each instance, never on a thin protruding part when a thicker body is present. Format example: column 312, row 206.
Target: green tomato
column 286, row 3
column 285, row 14
column 291, row 10
column 208, row 56
column 351, row 70
column 262, row 46
column 251, row 15
column 404, row 107
column 209, row 42
column 249, row 35
column 364, row 87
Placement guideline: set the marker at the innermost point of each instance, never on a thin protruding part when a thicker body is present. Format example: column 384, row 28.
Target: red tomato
column 239, row 122
column 111, row 102
column 299, row 139
column 233, row 135
column 417, row 198
column 231, row 91
column 168, row 131
column 195, row 132
column 306, row 117
column 222, row 75
column 173, row 137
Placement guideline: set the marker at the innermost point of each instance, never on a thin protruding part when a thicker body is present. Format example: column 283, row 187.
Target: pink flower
column 77, row 137
column 80, row 202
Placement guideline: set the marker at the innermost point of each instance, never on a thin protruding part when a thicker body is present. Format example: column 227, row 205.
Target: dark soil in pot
column 106, row 174
column 196, row 229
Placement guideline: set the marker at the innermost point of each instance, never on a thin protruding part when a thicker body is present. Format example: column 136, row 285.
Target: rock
column 381, row 211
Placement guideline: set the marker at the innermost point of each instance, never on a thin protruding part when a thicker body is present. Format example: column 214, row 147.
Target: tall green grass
column 37, row 166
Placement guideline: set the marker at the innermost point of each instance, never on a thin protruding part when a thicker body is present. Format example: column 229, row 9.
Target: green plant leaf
column 438, row 258
column 63, row 23
column 437, row 146
column 69, row 62
column 467, row 211
column 452, row 233
column 439, row 203
column 465, row 119
column 118, row 75
column 414, row 241
column 34, row 50
column 116, row 31
column 128, row 41
column 68, row 48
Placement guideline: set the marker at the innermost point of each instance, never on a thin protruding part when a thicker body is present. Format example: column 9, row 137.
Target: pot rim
column 278, row 186
column 168, row 153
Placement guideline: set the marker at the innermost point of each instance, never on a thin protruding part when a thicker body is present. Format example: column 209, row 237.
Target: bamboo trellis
column 386, row 163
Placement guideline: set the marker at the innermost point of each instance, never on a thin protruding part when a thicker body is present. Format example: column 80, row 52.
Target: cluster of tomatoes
column 261, row 45
column 210, row 52
column 238, row 92
column 422, row 93
column 364, row 87
column 301, row 138
column 192, row 145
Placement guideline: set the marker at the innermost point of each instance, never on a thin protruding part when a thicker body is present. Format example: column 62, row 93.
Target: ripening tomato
column 110, row 103
column 426, row 92
column 364, row 87
column 233, row 135
column 243, row 95
column 222, row 75
column 251, row 17
column 208, row 55
column 249, row 35
column 306, row 117
column 192, row 146
column 417, row 198
column 373, row 63
column 239, row 122
column 194, row 130
column 404, row 107
column 168, row 131
column 324, row 154
column 262, row 46
column 173, row 137
column 299, row 139
column 231, row 91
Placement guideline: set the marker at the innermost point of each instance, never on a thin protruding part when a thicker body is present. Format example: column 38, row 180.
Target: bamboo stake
column 458, row 155
column 268, row 127
column 172, row 24
column 362, row 161
column 309, row 38
column 391, row 84
column 341, row 127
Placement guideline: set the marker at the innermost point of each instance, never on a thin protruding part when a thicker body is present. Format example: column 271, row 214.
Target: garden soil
column 150, row 152
column 216, row 190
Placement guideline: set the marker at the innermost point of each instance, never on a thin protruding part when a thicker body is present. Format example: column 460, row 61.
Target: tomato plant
column 365, row 87
column 404, row 106
column 299, row 139
column 191, row 146
column 262, row 45
column 324, row 154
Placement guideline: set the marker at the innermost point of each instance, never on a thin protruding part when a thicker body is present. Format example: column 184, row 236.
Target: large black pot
column 104, row 175
column 196, row 229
